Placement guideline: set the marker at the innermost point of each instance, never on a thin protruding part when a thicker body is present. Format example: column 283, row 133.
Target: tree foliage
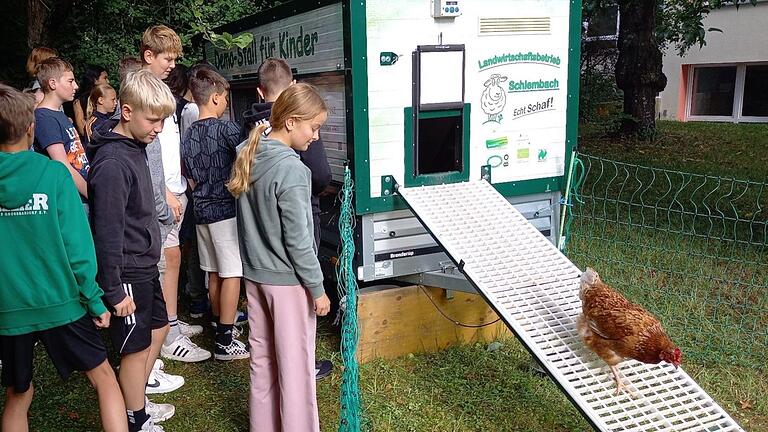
column 104, row 31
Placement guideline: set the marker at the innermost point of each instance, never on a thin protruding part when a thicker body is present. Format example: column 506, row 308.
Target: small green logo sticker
column 496, row 142
column 387, row 58
column 542, row 155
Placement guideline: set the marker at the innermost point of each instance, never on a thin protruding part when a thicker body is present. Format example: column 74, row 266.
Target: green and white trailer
column 458, row 119
column 427, row 92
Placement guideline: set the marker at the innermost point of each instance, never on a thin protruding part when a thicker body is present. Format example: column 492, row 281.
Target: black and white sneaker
column 184, row 350
column 235, row 351
column 323, row 369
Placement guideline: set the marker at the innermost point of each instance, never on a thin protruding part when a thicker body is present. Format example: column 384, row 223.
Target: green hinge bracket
column 485, row 173
column 388, row 186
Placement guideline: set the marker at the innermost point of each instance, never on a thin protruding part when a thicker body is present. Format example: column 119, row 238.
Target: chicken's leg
column 619, row 384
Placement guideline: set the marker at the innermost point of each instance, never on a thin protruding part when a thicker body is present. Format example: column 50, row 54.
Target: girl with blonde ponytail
column 283, row 279
column 241, row 171
column 101, row 105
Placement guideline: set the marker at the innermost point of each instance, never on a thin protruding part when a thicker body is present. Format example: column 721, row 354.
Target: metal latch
column 448, row 267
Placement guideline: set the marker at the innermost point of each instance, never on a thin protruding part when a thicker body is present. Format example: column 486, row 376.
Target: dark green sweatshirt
column 47, row 258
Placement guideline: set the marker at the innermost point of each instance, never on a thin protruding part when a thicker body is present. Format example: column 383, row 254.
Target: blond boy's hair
column 16, row 114
column 52, row 68
column 159, row 39
column 143, row 91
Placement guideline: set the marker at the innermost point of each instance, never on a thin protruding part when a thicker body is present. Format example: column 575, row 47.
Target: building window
column 737, row 93
column 755, row 91
column 713, row 89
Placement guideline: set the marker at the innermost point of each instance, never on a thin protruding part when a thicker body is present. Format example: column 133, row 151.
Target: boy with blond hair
column 160, row 47
column 159, row 380
column 47, row 294
column 127, row 239
column 208, row 152
column 55, row 135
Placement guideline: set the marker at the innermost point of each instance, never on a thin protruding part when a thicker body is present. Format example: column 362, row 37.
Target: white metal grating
column 535, row 290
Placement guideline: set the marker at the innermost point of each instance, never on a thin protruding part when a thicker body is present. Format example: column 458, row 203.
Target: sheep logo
column 494, row 98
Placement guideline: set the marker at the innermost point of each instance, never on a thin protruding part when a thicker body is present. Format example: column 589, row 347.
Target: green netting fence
column 352, row 416
column 690, row 248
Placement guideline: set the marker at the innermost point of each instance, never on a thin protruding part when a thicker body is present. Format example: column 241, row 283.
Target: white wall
column 743, row 40
column 400, row 25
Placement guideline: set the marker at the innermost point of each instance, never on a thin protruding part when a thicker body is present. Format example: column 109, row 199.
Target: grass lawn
column 470, row 388
column 719, row 149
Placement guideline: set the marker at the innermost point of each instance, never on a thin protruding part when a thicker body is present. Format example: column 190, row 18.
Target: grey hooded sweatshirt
column 274, row 221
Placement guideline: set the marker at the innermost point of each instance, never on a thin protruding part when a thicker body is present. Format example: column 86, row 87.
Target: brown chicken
column 616, row 329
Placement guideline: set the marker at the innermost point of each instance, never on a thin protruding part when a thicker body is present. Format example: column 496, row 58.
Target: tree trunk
column 639, row 65
column 44, row 19
column 37, row 16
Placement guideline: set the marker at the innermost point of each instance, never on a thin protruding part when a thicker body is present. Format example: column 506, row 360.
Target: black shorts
column 71, row 347
column 133, row 333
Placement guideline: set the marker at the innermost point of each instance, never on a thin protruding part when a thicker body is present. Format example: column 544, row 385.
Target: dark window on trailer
column 439, row 145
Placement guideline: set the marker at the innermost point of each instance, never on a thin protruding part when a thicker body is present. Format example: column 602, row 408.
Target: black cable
column 421, row 287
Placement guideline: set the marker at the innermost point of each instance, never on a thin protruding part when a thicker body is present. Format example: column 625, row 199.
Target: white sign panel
column 519, row 129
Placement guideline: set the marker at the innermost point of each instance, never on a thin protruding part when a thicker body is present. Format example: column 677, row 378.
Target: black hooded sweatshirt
column 314, row 157
column 122, row 213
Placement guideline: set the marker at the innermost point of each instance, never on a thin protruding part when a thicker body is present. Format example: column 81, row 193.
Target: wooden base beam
column 399, row 321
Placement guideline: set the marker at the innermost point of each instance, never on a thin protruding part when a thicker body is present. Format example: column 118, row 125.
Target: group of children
column 96, row 233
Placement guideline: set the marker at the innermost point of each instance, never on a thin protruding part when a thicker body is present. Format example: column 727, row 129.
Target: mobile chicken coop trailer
column 427, row 93
column 458, row 119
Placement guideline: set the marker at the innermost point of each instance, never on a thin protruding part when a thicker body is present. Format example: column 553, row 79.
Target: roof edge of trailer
column 278, row 12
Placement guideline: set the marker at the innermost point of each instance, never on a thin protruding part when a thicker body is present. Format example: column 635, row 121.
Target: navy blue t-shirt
column 208, row 153
column 53, row 127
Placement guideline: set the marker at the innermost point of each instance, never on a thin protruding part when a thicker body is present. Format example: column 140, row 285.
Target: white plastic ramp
column 535, row 290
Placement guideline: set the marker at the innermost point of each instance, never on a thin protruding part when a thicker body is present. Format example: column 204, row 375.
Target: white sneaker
column 183, row 349
column 189, row 330
column 150, row 426
column 158, row 412
column 235, row 351
column 162, row 382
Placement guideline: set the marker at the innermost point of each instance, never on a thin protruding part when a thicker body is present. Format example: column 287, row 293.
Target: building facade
column 727, row 79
